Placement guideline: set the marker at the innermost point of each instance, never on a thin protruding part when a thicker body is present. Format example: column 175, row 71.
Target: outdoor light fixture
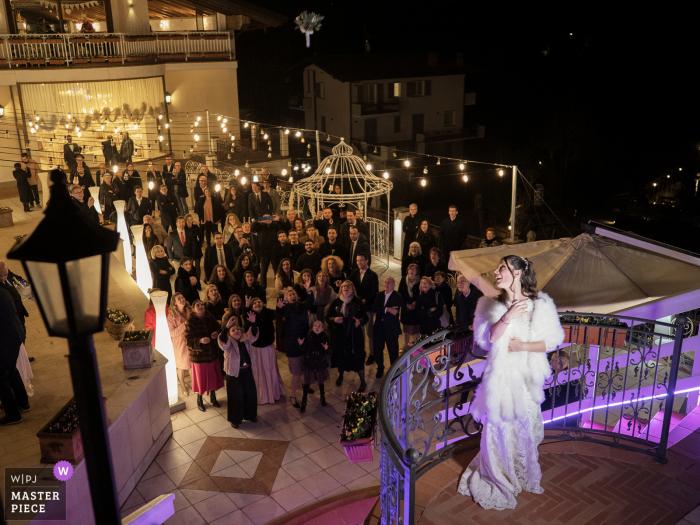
column 66, row 260
column 124, row 233
column 423, row 182
column 164, row 344
column 407, row 163
column 386, row 174
column 95, row 194
column 143, row 271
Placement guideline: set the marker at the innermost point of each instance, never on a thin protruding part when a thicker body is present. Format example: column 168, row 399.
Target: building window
column 395, row 89
column 450, row 118
column 418, row 88
column 323, row 124
column 320, row 90
column 308, row 81
column 367, row 94
column 397, row 124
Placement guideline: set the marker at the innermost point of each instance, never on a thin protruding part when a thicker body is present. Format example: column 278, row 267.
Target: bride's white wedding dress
column 508, row 405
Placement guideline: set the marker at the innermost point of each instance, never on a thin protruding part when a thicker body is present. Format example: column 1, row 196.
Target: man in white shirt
column 387, row 327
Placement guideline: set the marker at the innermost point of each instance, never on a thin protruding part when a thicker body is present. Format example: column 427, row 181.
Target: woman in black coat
column 425, row 238
column 109, row 193
column 430, row 307
column 444, row 289
column 345, row 316
column 23, row 188
column 250, row 288
column 410, row 318
column 183, row 281
column 236, row 203
column 415, row 256
column 161, row 270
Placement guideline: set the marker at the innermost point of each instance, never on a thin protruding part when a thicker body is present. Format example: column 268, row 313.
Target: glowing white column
column 143, row 271
column 164, row 344
column 124, row 234
column 398, row 233
column 95, row 194
column 44, row 178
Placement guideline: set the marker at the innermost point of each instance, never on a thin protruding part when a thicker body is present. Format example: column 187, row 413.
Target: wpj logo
column 63, row 471
column 34, row 493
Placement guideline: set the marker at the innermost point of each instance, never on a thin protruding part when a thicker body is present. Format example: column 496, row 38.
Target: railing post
column 681, row 320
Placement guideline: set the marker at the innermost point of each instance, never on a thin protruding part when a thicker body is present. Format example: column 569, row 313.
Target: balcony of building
column 100, row 49
column 365, row 109
column 301, row 103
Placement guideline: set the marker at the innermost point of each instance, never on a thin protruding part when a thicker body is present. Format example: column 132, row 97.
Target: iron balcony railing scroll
column 100, row 48
column 621, row 381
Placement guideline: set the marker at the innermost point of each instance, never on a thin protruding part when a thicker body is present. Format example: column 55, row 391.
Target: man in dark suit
column 259, row 203
column 167, row 206
column 356, row 246
column 352, row 221
column 217, row 253
column 387, row 327
column 109, row 150
column 366, row 284
column 101, row 172
column 295, row 246
column 311, row 259
column 333, row 246
column 453, row 233
column 265, row 232
column 169, row 174
column 281, row 250
column 180, row 181
column 70, row 150
column 13, row 395
column 139, row 206
column 411, row 227
column 180, row 242
column 324, row 220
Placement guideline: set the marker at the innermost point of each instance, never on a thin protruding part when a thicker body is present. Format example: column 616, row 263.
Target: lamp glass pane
column 84, row 278
column 46, row 284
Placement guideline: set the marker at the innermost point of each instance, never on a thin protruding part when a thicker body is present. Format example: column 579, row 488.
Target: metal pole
column 512, row 203
column 681, row 320
column 388, row 225
column 93, row 429
column 318, row 149
column 208, row 134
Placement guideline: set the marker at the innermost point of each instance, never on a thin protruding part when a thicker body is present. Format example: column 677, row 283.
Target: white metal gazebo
column 358, row 184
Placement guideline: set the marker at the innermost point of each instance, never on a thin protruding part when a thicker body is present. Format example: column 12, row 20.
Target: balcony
column 367, row 109
column 69, row 50
column 300, row 103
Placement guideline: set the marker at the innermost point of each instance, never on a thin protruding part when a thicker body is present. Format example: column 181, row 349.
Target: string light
column 465, row 178
column 218, row 118
column 386, row 174
column 286, row 132
column 242, row 180
column 196, row 138
column 369, row 167
column 425, row 171
column 160, row 117
column 407, row 163
column 500, row 173
column 196, row 123
column 245, row 125
column 461, row 166
column 291, row 179
column 115, row 168
column 224, row 130
column 225, row 120
column 298, row 134
column 217, row 187
column 265, row 136
column 302, row 140
column 236, row 173
column 199, row 118
column 150, row 185
column 69, row 117
column 423, row 182
column 284, row 172
column 246, row 164
column 438, row 161
column 160, row 138
column 167, row 125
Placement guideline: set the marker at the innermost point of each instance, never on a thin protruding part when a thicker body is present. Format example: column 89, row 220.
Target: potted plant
column 54, row 40
column 78, row 40
column 594, row 331
column 6, row 217
column 108, row 224
column 118, row 322
column 59, row 439
column 131, row 39
column 196, row 55
column 112, row 39
column 359, row 420
column 34, row 41
column 209, row 37
column 57, row 61
column 137, row 349
column 194, row 37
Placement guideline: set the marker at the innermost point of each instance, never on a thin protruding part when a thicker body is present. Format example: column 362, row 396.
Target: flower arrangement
column 106, row 223
column 360, row 416
column 601, row 321
column 136, row 335
column 118, row 316
column 5, row 208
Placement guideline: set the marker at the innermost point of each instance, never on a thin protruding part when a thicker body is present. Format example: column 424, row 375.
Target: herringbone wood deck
column 584, row 483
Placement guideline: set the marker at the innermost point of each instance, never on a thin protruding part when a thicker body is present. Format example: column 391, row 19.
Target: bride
column 516, row 329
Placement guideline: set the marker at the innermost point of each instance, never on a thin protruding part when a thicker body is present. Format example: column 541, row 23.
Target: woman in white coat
column 516, row 329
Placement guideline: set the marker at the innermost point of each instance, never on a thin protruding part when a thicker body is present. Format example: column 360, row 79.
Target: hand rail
column 83, row 48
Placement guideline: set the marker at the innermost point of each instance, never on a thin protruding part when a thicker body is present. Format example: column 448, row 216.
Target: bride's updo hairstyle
column 528, row 280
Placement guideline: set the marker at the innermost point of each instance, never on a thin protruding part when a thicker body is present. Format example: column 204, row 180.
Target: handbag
column 445, row 317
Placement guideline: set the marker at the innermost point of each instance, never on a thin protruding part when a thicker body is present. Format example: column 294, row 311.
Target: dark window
column 371, row 130
column 320, row 90
column 397, row 124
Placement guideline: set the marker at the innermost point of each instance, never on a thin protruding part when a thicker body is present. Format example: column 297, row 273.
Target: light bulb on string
column 150, row 185
column 461, row 166
column 302, row 140
column 196, row 123
column 69, row 116
column 386, row 174
column 103, row 126
column 217, row 187
column 160, row 117
column 425, row 171
column 160, row 138
column 245, row 125
column 37, row 118
column 465, row 178
column 369, row 167
column 423, row 182
column 286, row 132
column 291, row 179
column 236, row 173
column 225, row 120
column 265, row 136
column 79, row 134
column 247, row 165
column 407, row 163
column 500, row 173
column 394, row 154
column 242, row 180
column 284, row 172
column 218, row 118
column 269, row 155
column 196, row 138
column 298, row 134
column 199, row 118
column 296, row 168
column 438, row 161
column 225, row 130
column 328, row 170
column 167, row 125
column 115, row 168
column 308, row 153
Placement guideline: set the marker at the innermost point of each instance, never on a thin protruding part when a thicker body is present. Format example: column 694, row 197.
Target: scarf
column 410, row 284
column 346, row 301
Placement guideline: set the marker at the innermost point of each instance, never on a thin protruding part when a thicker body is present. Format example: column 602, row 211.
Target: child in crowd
column 315, row 347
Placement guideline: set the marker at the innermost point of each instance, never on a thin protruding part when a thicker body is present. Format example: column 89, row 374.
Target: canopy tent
column 590, row 273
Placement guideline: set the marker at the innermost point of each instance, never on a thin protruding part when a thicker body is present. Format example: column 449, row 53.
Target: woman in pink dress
column 178, row 313
column 201, row 334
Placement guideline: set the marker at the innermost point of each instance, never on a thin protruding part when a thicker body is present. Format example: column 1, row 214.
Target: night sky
column 606, row 101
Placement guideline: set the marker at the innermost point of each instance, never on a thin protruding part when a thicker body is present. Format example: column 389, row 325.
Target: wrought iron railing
column 101, row 48
column 621, row 382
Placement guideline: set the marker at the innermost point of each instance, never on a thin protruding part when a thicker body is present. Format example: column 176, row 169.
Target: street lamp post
column 66, row 259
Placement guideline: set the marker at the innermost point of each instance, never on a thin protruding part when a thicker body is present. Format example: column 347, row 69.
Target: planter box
column 137, row 354
column 146, row 39
column 223, row 55
column 196, row 55
column 57, row 446
column 78, row 41
column 97, row 40
column 114, row 59
column 6, row 218
column 130, row 39
column 211, row 55
column 179, row 56
column 222, row 37
column 54, row 41
column 591, row 335
column 178, row 37
column 81, row 60
column 117, row 330
column 212, row 37
column 112, row 40
column 34, row 41
column 361, row 450
column 194, row 37
column 37, row 62
column 166, row 56
column 57, row 62
column 165, row 38
column 19, row 62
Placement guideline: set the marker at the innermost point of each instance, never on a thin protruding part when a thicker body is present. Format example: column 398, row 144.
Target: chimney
column 460, row 60
column 432, row 59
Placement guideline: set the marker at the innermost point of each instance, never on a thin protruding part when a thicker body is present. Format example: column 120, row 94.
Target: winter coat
column 346, row 338
column 314, row 353
column 183, row 285
column 217, row 310
column 429, row 320
column 296, row 324
column 197, row 328
column 162, row 280
column 236, row 352
column 507, row 374
column 409, row 317
column 264, row 323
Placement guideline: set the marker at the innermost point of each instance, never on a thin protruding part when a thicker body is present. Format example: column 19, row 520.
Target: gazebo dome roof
column 346, row 169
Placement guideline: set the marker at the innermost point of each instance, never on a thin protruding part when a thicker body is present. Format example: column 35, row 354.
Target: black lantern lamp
column 67, row 262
